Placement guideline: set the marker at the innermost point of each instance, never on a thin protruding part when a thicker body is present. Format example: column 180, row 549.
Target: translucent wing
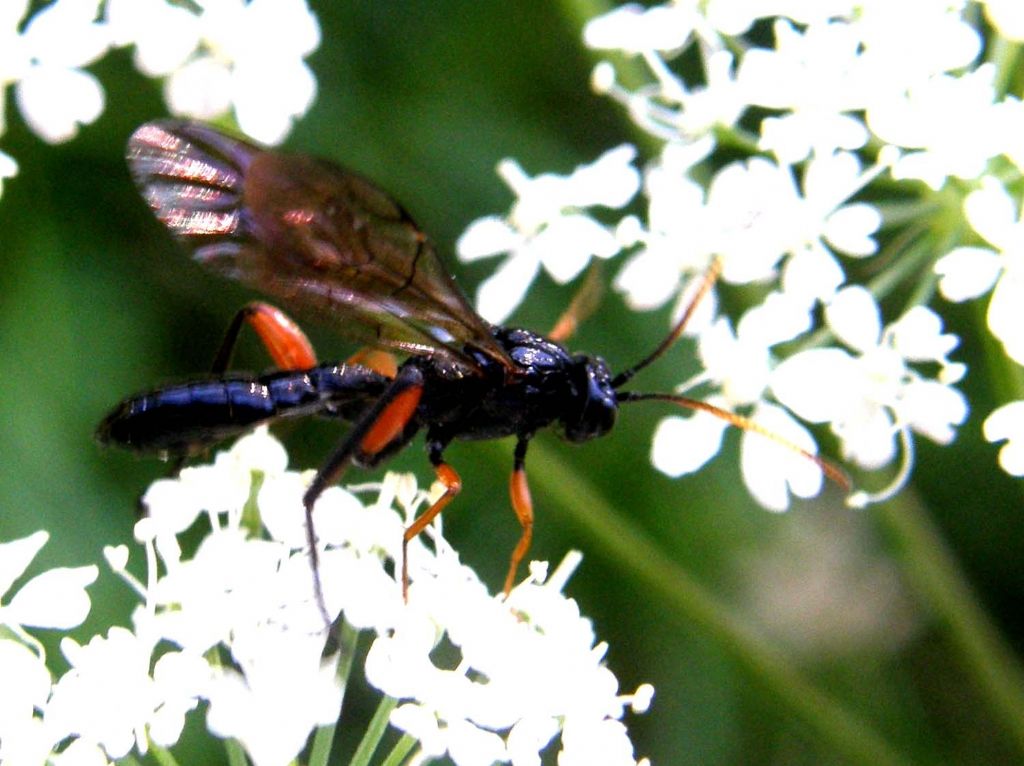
column 318, row 238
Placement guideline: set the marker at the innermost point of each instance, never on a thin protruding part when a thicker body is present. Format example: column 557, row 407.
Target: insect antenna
column 832, row 471
column 710, row 276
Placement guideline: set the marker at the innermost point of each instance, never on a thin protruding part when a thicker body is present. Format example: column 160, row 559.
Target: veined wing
column 318, row 238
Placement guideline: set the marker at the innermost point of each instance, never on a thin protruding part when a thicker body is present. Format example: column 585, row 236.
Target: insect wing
column 319, row 239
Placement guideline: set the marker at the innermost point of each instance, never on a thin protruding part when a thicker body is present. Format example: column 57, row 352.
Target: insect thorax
column 547, row 386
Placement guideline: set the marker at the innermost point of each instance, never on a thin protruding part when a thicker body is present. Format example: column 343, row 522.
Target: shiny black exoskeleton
column 184, row 419
column 547, row 385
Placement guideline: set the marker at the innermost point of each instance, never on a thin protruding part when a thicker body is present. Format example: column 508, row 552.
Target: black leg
column 375, row 431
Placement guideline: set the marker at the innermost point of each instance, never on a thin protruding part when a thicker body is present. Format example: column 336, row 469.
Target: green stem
column 374, row 732
column 162, row 755
column 320, row 752
column 236, row 753
column 401, row 749
column 937, row 577
column 850, row 736
column 1005, row 55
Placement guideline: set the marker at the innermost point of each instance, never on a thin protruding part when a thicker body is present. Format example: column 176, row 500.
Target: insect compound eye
column 594, row 404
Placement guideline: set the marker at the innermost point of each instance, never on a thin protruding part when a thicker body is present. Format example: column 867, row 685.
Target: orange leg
column 519, row 491
column 287, row 345
column 452, row 486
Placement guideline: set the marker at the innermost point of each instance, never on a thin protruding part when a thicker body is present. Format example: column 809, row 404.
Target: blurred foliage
column 426, row 97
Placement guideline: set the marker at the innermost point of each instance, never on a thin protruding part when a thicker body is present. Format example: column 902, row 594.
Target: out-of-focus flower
column 45, row 61
column 116, row 696
column 932, row 117
column 1006, row 423
column 245, row 56
column 970, row 271
column 548, row 226
column 54, row 599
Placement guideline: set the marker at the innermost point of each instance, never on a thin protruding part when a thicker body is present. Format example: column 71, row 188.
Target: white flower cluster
column 849, row 137
column 237, row 626
column 215, row 56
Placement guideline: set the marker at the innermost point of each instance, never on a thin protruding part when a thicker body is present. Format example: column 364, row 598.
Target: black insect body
column 329, row 243
column 186, row 419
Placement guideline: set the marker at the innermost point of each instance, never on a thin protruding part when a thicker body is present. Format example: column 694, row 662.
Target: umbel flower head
column 799, row 146
column 235, row 625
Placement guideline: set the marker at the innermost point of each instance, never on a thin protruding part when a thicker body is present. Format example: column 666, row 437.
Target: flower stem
column 348, row 640
column 937, row 577
column 162, row 755
column 374, row 732
column 401, row 749
column 849, row 735
column 236, row 754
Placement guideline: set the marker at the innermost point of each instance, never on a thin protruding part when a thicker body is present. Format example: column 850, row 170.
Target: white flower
column 869, row 398
column 634, row 29
column 951, row 43
column 249, row 594
column 54, row 599
column 548, row 226
column 241, row 55
column 816, row 77
column 164, row 34
column 669, row 108
column 45, row 61
column 521, row 667
column 676, row 242
column 116, row 695
column 825, row 221
column 23, row 738
column 739, row 367
column 248, row 705
column 970, row 271
column 933, row 117
column 1006, row 423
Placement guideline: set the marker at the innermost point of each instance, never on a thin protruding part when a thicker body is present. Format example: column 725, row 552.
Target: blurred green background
column 808, row 637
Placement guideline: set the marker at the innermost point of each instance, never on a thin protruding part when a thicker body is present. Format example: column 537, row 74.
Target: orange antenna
column 832, row 471
column 710, row 277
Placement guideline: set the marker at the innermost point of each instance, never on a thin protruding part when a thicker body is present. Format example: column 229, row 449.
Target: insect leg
column 452, row 486
column 286, row 343
column 376, row 430
column 519, row 491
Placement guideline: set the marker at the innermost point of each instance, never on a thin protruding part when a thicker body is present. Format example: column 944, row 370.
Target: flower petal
column 16, row 555
column 54, row 599
column 967, row 272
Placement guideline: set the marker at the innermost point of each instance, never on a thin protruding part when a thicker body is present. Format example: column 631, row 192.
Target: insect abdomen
column 184, row 419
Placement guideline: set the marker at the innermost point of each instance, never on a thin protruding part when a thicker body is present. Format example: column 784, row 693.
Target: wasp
column 330, row 244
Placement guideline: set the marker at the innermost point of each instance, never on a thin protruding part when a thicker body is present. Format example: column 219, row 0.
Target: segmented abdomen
column 188, row 417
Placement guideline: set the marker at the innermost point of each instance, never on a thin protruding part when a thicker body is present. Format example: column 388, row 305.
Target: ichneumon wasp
column 328, row 243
